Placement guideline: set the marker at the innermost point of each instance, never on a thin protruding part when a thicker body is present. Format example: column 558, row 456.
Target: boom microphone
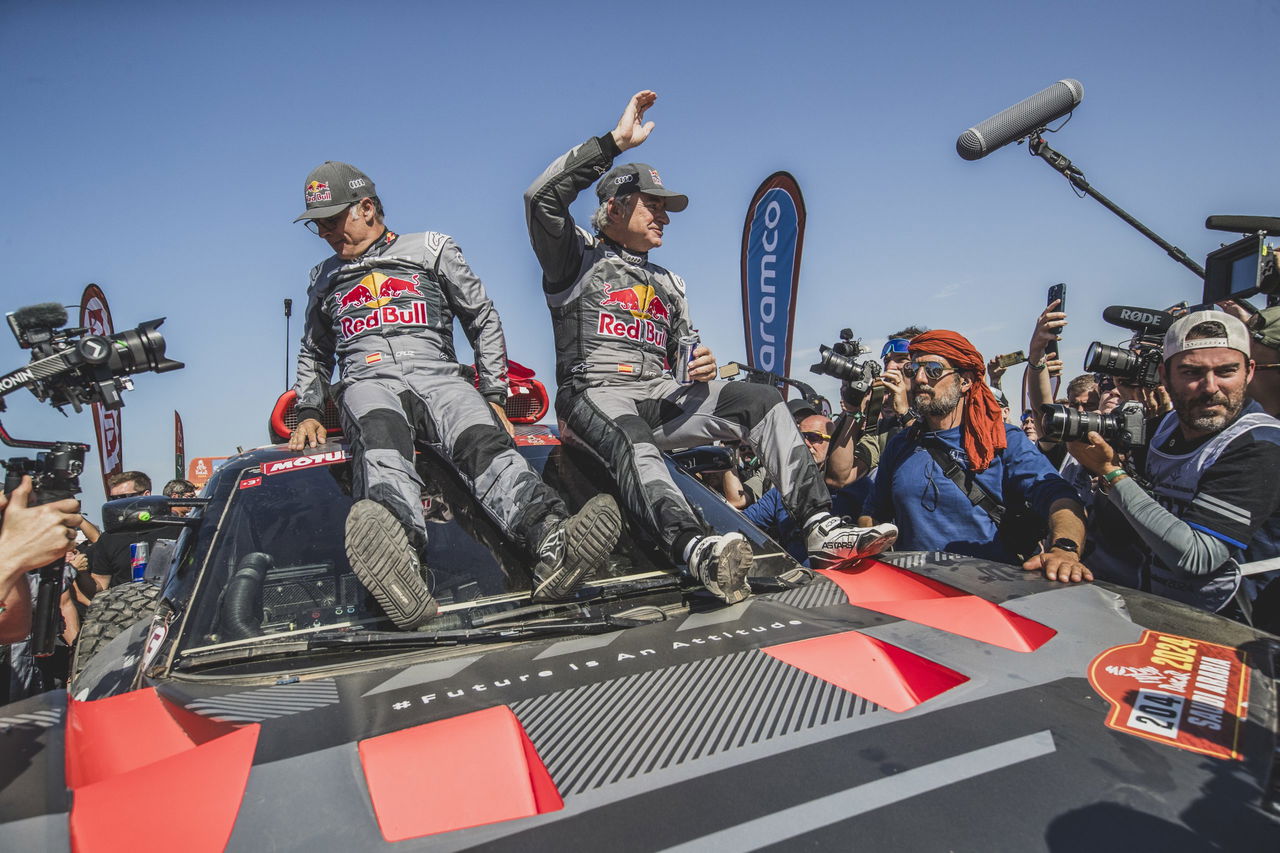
column 1244, row 224
column 1138, row 319
column 1021, row 119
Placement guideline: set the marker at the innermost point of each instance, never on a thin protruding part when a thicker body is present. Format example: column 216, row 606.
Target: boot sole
column 732, row 565
column 380, row 560
column 590, row 538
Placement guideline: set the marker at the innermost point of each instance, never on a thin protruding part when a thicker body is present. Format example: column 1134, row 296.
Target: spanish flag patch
column 373, row 358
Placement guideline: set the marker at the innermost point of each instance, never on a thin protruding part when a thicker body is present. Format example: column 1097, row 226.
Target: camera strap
column 977, row 495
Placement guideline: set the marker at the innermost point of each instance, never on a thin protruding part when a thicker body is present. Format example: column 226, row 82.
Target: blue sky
column 159, row 149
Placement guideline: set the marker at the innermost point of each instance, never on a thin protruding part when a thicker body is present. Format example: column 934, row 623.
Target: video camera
column 838, row 362
column 72, row 367
column 68, row 367
column 1246, row 267
column 1140, row 362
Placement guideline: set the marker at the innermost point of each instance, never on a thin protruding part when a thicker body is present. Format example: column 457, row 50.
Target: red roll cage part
column 527, row 403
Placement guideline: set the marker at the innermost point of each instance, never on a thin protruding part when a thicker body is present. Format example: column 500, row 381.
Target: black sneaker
column 575, row 548
column 387, row 565
column 721, row 563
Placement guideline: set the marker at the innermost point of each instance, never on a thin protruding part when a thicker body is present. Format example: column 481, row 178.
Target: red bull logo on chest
column 645, row 306
column 366, row 305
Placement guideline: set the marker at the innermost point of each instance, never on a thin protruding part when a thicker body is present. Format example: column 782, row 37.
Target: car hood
column 958, row 703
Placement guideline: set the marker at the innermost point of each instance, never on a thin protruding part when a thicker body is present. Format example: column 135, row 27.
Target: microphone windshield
column 46, row 315
column 1022, row 119
column 1138, row 319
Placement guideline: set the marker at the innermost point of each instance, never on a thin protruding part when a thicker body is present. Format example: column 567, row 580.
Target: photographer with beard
column 945, row 480
column 1211, row 499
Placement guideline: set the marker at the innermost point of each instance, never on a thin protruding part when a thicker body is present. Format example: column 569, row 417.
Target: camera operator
column 947, row 479
column 887, row 408
column 1264, row 347
column 1212, row 468
column 30, row 537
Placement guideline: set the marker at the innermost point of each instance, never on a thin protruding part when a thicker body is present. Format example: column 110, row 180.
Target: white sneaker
column 721, row 563
column 832, row 540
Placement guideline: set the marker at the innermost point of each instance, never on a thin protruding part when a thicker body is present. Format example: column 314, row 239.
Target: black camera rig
column 71, row 367
column 837, row 361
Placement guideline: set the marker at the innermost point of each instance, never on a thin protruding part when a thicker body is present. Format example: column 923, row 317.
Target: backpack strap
column 969, row 485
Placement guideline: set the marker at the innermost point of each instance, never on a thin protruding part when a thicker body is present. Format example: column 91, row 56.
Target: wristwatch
column 1064, row 544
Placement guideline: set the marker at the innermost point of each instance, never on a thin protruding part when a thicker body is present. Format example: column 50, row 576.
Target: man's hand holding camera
column 30, row 537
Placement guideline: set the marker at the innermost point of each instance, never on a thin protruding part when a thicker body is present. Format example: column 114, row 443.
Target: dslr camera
column 838, row 362
column 1126, row 427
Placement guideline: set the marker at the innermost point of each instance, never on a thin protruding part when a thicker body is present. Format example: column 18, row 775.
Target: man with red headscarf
column 947, row 479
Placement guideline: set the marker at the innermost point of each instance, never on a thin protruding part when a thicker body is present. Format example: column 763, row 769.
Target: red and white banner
column 96, row 317
column 179, row 448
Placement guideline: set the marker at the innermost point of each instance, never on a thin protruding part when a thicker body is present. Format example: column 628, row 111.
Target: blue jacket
column 933, row 514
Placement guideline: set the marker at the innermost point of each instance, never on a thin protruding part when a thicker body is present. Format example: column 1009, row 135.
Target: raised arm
column 555, row 238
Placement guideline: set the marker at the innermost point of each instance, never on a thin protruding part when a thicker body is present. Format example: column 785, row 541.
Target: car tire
column 110, row 612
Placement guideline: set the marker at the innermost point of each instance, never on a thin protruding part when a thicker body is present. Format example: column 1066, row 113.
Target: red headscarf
column 982, row 430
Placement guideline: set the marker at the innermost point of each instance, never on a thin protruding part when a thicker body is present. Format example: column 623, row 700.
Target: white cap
column 1175, row 341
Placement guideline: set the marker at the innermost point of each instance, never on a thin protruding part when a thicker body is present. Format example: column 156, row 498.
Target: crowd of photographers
column 1158, row 470
column 88, row 561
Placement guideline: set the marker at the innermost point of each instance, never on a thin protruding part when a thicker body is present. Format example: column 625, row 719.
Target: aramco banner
column 96, row 317
column 772, row 239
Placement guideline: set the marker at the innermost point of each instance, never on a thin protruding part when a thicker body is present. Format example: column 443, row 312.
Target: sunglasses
column 932, row 370
column 125, row 495
column 895, row 345
column 815, row 437
column 315, row 226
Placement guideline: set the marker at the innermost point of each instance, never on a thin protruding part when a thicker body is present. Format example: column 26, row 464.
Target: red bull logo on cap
column 653, row 173
column 317, row 191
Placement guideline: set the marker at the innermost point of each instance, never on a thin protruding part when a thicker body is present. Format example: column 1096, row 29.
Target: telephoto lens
column 832, row 363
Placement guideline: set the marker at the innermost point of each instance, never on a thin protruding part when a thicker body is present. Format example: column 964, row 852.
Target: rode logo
column 1146, row 318
column 639, row 330
column 333, row 457
column 388, row 315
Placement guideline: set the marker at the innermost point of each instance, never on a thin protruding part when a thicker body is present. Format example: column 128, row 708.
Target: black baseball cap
column 638, row 178
column 332, row 187
column 801, row 408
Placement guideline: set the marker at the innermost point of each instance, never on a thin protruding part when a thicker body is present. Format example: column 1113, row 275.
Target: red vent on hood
column 465, row 771
column 888, row 589
column 149, row 775
column 871, row 668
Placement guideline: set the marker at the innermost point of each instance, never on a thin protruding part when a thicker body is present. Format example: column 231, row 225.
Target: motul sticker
column 1187, row 693
column 250, row 482
column 333, row 457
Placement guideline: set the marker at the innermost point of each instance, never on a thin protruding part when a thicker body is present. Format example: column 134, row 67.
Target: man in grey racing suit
column 383, row 307
column 617, row 317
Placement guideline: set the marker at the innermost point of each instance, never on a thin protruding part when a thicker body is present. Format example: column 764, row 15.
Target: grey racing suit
column 617, row 318
column 386, row 318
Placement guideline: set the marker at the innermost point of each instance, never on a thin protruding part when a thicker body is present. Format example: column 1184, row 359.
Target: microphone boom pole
column 1039, row 148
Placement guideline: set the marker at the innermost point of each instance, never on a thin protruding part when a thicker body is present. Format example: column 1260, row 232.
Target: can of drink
column 686, row 345
column 138, row 554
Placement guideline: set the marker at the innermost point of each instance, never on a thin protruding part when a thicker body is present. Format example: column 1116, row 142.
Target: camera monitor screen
column 1233, row 270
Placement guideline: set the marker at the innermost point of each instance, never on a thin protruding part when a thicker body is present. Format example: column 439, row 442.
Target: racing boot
column 387, row 565
column 831, row 540
column 721, row 563
column 574, row 548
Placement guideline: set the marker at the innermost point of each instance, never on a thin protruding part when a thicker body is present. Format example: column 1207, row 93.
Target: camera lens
column 1114, row 361
column 831, row 363
column 136, row 350
column 1063, row 423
